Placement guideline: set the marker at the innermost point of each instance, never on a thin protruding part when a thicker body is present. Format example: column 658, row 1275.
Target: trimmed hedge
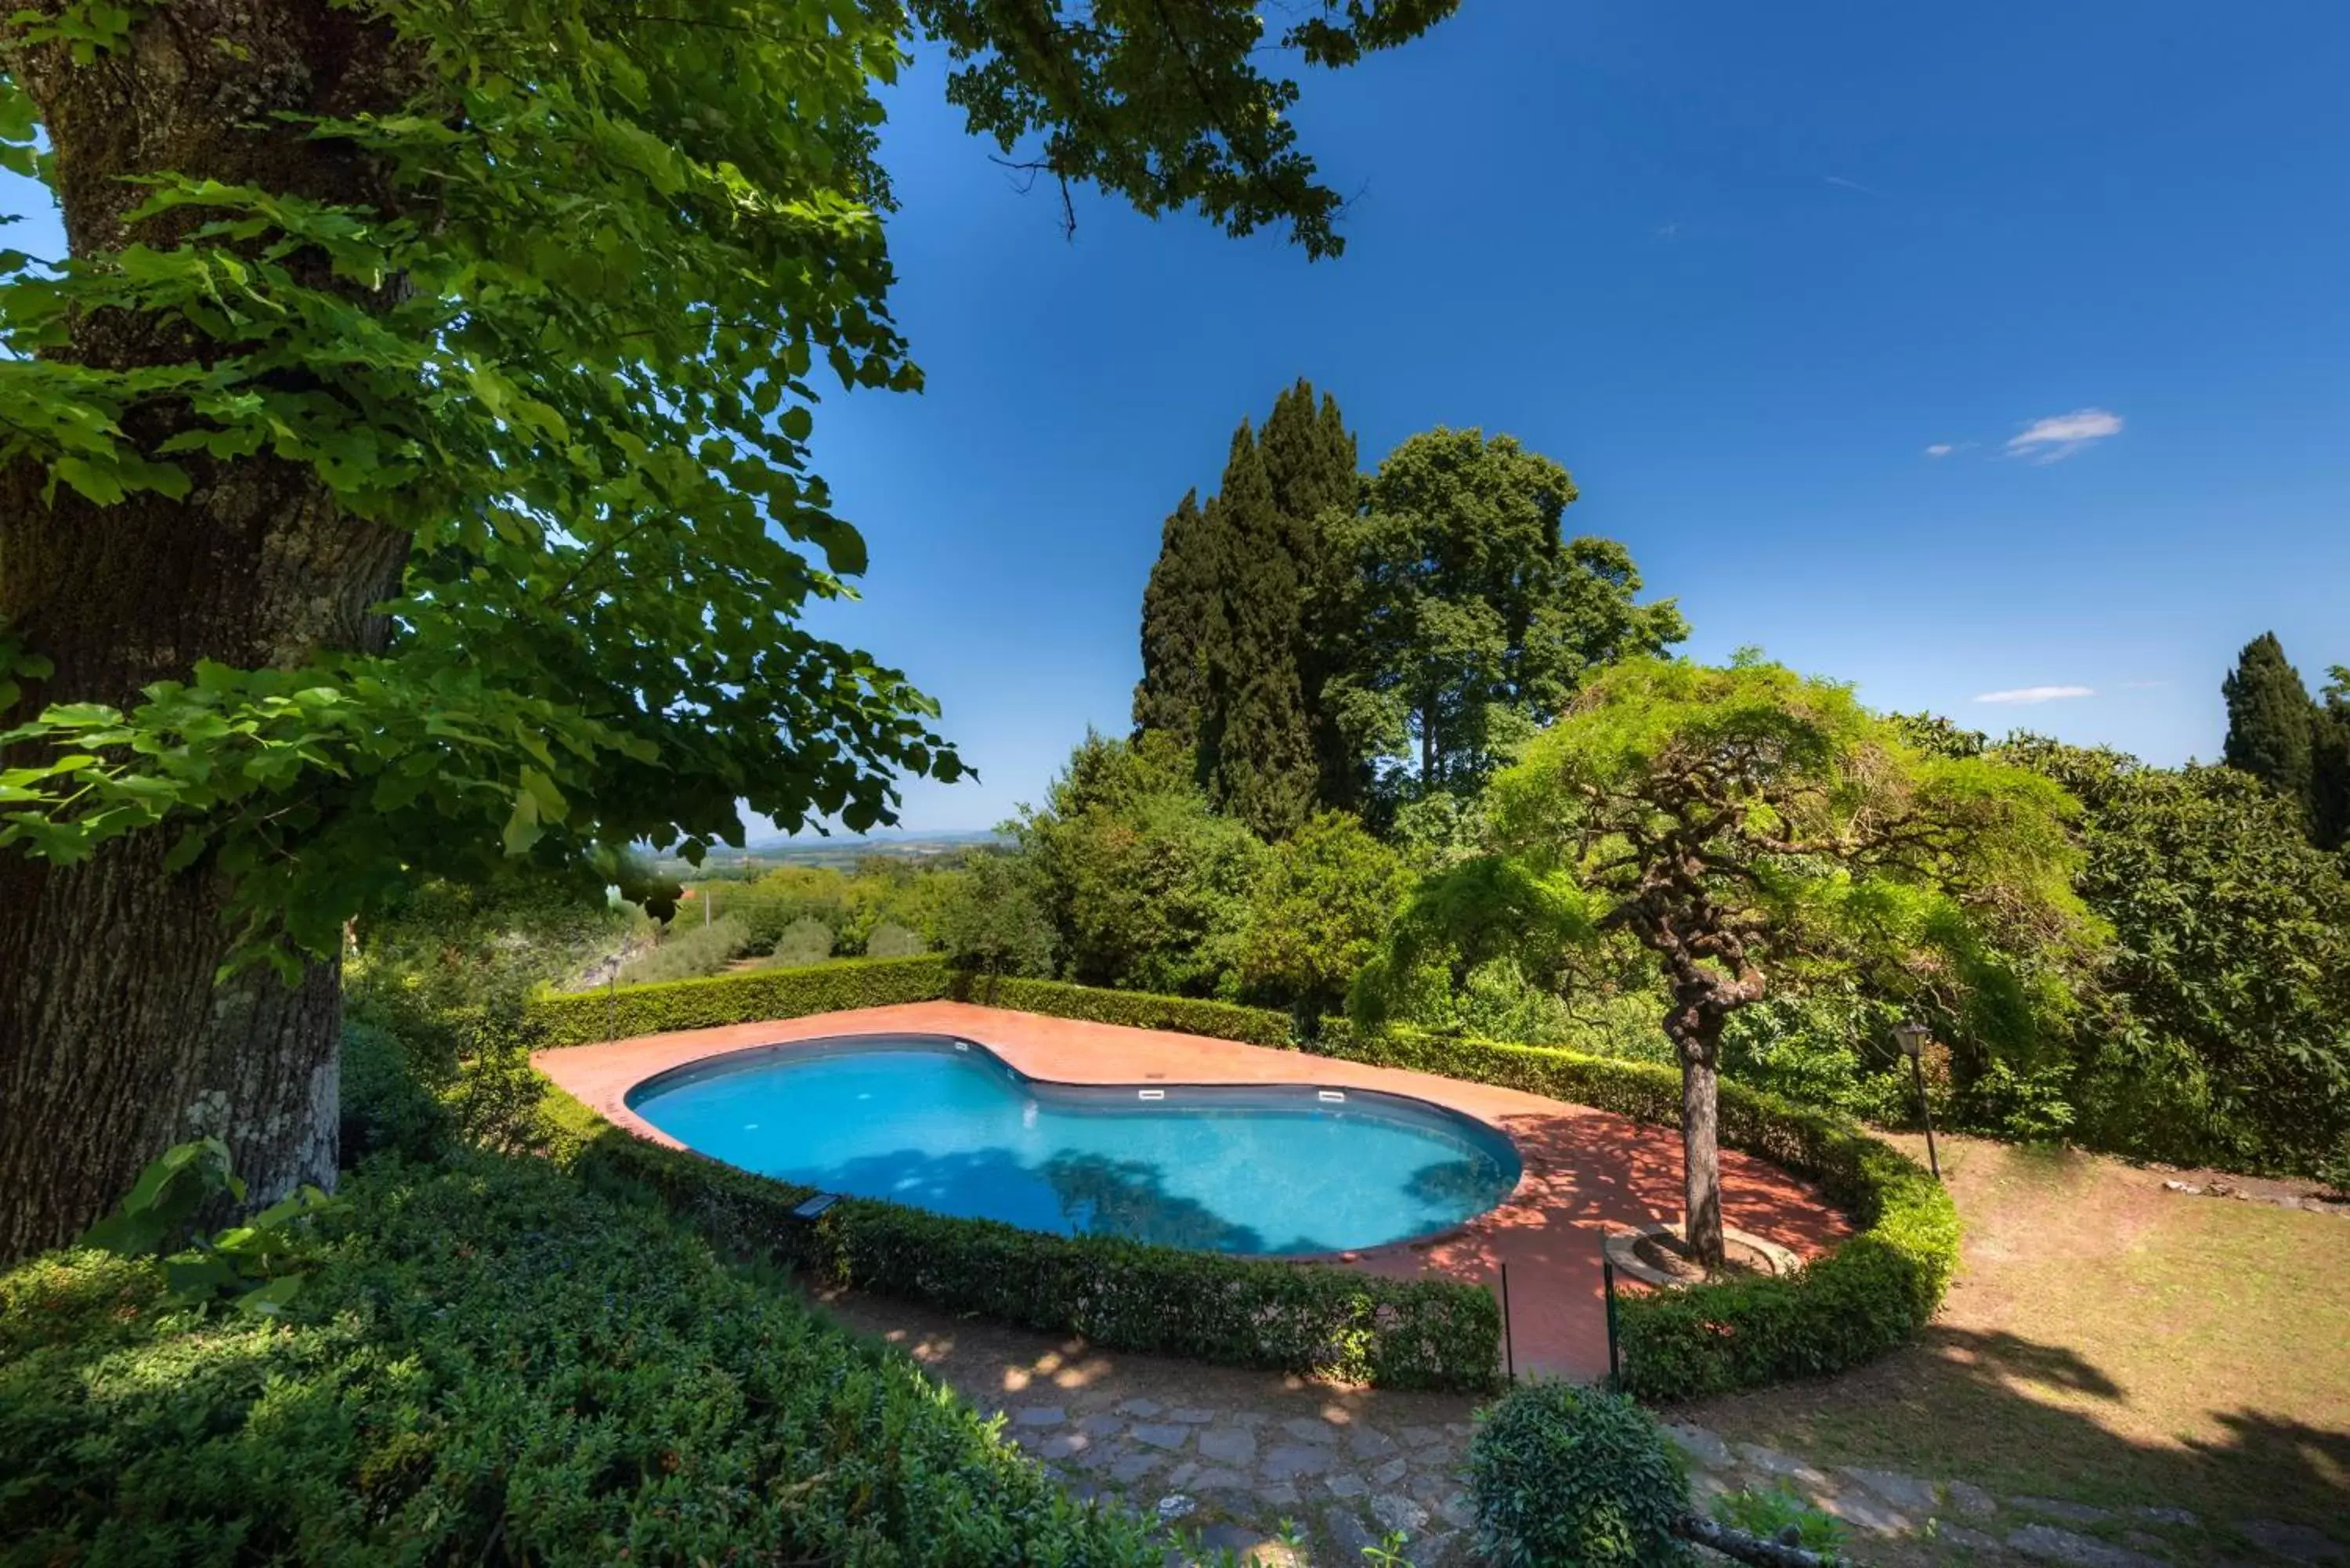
column 1134, row 1009
column 580, row 1018
column 490, row 1364
column 1311, row 1319
column 1869, row 1296
column 583, row 1017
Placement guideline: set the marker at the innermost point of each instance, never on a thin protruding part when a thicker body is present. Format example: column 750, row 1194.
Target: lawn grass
column 2109, row 1343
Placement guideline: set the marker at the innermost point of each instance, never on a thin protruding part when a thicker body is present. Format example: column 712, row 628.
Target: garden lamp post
column 1912, row 1036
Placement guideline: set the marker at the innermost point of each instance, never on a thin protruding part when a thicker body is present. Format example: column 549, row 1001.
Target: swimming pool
column 945, row 1125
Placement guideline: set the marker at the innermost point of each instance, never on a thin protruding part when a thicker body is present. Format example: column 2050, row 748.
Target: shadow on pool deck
column 1588, row 1172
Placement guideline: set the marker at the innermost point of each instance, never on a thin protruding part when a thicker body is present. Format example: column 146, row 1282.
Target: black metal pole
column 1925, row 1113
column 1509, row 1345
column 1608, row 1278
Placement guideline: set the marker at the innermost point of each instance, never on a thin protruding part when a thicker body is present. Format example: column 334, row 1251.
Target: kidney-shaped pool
column 946, row 1126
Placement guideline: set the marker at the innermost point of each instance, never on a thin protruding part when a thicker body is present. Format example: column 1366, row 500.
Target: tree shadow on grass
column 2022, row 1417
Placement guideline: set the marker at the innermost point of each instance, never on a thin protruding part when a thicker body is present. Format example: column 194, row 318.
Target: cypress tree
column 1181, row 614
column 1257, row 744
column 2329, row 766
column 1311, row 462
column 2270, row 718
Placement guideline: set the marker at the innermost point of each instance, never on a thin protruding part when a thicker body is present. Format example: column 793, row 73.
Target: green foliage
column 1235, row 648
column 1566, row 1476
column 2329, row 765
column 2225, row 1036
column 1135, row 1009
column 1317, row 912
column 1309, row 1319
column 489, row 1364
column 690, row 948
column 1825, row 849
column 1183, row 618
column 804, row 941
column 1470, row 621
column 891, row 939
column 258, row 1266
column 385, row 1105
column 1769, row 1512
column 1145, row 885
column 1256, row 738
column 563, row 345
column 1868, row 1296
column 1165, row 112
column 993, row 921
column 440, row 947
column 1833, row 1048
column 2271, row 720
column 581, row 1018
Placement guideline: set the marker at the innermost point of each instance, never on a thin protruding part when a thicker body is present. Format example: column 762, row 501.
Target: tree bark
column 115, row 1041
column 1702, row 1146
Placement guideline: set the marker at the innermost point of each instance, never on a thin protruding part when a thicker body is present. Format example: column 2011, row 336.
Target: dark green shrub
column 1134, row 1009
column 1311, row 1319
column 386, row 1108
column 754, row 995
column 489, row 1364
column 1566, row 1476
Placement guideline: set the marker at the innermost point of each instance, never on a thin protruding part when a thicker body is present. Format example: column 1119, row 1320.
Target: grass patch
column 2105, row 1343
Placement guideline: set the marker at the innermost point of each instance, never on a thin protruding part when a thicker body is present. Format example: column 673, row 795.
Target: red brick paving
column 1586, row 1171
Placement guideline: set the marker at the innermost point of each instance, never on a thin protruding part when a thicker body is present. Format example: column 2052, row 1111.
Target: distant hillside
column 842, row 850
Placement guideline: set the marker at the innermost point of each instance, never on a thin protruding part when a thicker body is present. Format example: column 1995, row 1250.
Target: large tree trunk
column 1699, row 1048
column 115, row 1041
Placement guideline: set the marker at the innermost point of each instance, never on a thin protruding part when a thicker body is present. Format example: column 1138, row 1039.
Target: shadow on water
column 1456, row 1188
column 1101, row 1195
column 1070, row 1194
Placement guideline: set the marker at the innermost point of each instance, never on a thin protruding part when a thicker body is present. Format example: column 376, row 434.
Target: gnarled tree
column 1752, row 827
column 405, row 472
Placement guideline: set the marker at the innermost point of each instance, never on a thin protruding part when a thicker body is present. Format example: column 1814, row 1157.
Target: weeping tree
column 404, row 471
column 1751, row 828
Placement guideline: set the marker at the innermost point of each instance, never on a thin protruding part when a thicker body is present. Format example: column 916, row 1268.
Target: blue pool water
column 949, row 1127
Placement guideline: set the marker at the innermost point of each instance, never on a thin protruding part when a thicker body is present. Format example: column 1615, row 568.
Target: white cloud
column 2060, row 435
column 1941, row 449
column 1852, row 185
column 2027, row 694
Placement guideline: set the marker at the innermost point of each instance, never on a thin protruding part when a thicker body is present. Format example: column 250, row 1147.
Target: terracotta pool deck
column 1588, row 1172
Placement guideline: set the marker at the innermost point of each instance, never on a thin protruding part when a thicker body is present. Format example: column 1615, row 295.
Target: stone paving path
column 1301, row 1475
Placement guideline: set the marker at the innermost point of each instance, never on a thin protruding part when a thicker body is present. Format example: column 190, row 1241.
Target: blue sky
column 1739, row 269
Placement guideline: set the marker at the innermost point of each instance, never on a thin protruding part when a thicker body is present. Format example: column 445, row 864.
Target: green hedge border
column 1869, row 1296
column 1305, row 1318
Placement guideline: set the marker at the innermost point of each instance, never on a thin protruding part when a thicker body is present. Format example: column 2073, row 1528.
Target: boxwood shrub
column 1135, row 1009
column 580, row 1018
column 495, row 1364
column 1566, row 1476
column 1312, row 1319
column 583, row 1017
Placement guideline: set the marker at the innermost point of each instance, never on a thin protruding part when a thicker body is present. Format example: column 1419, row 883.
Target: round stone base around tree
column 1625, row 1251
